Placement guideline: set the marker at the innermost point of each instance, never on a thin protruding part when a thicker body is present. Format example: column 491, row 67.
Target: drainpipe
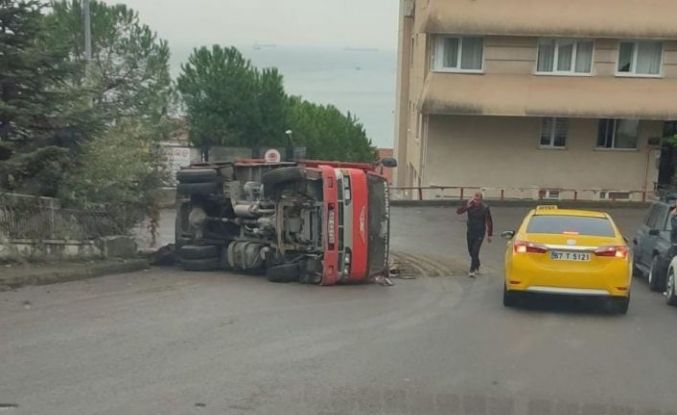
column 648, row 163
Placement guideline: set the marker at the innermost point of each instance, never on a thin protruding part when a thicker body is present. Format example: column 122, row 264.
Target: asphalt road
column 171, row 342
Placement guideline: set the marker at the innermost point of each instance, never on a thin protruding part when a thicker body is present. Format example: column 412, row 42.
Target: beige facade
column 483, row 126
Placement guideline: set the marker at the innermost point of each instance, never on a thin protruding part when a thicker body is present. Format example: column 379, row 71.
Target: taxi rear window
column 570, row 225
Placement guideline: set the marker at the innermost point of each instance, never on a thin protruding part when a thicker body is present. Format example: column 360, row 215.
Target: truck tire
column 182, row 232
column 281, row 175
column 197, row 176
column 181, row 241
column 283, row 273
column 199, row 251
column 200, row 189
column 206, row 264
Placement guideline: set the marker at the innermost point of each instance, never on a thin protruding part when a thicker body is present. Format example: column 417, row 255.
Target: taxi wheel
column 621, row 305
column 509, row 298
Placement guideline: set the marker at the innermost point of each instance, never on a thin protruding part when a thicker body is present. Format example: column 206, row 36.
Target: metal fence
column 33, row 218
column 526, row 193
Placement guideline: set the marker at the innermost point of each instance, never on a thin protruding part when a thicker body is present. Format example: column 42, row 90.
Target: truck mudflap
column 330, row 228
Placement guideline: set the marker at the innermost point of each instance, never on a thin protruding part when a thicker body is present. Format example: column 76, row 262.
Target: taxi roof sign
column 547, row 207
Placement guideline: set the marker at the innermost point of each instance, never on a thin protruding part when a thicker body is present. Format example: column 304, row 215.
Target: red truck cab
column 357, row 225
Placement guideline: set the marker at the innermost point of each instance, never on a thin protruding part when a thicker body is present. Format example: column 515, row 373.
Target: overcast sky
column 342, row 23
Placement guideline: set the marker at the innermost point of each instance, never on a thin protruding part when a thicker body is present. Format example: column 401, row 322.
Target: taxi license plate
column 569, row 256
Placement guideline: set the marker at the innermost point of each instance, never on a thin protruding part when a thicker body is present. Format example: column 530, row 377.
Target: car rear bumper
column 567, row 291
column 612, row 281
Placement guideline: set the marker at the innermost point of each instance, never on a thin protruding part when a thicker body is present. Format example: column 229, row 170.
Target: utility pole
column 86, row 15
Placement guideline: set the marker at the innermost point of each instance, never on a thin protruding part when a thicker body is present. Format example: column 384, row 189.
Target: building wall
column 402, row 106
column 503, row 152
column 435, row 149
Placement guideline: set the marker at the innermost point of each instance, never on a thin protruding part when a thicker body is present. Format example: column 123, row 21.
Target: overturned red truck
column 314, row 222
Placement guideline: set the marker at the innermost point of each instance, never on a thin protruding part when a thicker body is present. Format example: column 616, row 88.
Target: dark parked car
column 652, row 246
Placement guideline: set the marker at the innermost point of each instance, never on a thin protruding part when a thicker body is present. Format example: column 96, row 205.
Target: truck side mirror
column 389, row 162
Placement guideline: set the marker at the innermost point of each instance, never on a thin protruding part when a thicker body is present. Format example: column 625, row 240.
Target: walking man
column 479, row 224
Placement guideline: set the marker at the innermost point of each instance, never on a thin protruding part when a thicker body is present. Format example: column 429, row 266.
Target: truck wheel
column 283, row 273
column 181, row 230
column 205, row 264
column 281, row 175
column 201, row 189
column 199, row 251
column 181, row 241
column 197, row 176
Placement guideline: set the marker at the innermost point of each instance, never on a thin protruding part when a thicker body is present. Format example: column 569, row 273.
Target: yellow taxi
column 567, row 252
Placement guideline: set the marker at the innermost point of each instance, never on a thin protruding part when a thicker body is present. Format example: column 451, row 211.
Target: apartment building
column 533, row 97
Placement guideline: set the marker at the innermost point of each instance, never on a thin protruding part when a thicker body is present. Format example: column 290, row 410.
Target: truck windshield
column 378, row 224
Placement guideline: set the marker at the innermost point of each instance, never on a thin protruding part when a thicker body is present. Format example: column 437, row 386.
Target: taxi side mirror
column 508, row 235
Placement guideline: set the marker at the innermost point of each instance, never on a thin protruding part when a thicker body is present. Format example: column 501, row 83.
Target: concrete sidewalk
column 18, row 275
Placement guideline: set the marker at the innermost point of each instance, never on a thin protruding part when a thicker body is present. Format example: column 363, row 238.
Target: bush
column 122, row 170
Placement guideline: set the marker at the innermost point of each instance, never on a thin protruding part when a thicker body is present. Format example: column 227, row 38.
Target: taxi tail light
column 612, row 251
column 524, row 247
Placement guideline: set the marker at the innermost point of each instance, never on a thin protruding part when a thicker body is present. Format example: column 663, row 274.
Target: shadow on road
column 567, row 305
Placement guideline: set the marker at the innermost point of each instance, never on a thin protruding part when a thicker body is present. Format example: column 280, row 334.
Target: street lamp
column 290, row 145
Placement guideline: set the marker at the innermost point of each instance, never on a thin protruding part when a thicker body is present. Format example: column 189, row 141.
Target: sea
column 359, row 81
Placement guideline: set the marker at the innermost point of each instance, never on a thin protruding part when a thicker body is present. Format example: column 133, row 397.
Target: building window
column 640, row 58
column 618, row 134
column 604, row 195
column 459, row 54
column 554, row 132
column 550, row 194
column 561, row 56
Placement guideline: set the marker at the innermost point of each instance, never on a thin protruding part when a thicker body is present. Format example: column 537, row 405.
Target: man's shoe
column 472, row 274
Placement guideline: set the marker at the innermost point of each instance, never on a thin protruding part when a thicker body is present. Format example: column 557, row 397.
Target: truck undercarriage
column 281, row 219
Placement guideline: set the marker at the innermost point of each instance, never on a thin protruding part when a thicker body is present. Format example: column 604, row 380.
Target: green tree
column 230, row 102
column 272, row 103
column 36, row 105
column 220, row 91
column 327, row 133
column 128, row 76
column 122, row 169
column 29, row 73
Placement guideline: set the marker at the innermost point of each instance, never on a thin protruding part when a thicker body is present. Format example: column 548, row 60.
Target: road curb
column 56, row 274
